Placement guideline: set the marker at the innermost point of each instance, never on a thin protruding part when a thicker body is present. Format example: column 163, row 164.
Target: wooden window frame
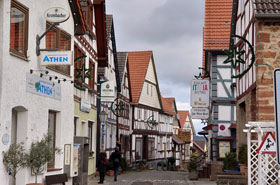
column 59, row 33
column 52, row 165
column 141, row 144
column 25, row 10
column 91, row 82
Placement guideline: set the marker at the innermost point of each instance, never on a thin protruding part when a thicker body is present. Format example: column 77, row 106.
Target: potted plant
column 230, row 162
column 41, row 152
column 14, row 159
column 110, row 168
column 242, row 158
column 164, row 166
column 123, row 164
column 192, row 167
column 159, row 166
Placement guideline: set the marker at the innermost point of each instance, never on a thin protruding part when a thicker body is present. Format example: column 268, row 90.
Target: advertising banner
column 200, row 93
column 43, row 87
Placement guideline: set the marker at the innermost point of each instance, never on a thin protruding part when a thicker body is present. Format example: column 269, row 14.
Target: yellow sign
column 185, row 136
column 224, row 147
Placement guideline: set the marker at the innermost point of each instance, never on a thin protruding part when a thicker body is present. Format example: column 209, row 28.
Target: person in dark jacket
column 102, row 165
column 116, row 158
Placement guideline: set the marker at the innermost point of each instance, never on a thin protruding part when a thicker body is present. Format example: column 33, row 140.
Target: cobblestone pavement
column 151, row 177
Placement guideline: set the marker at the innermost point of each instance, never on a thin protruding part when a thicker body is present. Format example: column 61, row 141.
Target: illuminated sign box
column 57, row 58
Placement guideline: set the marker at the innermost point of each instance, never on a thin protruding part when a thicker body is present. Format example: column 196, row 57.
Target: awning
column 208, row 127
column 224, row 138
column 177, row 140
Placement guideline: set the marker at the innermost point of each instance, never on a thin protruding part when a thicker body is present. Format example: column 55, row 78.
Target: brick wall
column 267, row 59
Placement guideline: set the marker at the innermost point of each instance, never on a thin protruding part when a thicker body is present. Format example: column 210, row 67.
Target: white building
column 32, row 105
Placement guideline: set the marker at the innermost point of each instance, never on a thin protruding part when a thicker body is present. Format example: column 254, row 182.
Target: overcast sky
column 173, row 30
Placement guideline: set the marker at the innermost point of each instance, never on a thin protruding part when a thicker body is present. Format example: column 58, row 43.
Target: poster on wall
column 200, row 93
column 224, row 147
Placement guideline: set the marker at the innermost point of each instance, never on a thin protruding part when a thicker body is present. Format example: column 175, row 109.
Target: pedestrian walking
column 116, row 158
column 102, row 165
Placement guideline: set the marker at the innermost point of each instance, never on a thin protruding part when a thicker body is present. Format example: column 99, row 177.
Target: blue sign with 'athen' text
column 56, row 58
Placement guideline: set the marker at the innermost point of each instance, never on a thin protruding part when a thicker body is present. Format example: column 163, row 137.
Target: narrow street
column 151, row 178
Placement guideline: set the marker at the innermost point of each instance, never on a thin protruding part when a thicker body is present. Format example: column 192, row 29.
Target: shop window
column 138, row 151
column 91, row 137
column 52, row 133
column 19, row 29
column 151, row 148
column 76, row 119
column 57, row 38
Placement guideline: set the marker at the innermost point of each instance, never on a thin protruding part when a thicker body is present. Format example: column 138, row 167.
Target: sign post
column 276, row 80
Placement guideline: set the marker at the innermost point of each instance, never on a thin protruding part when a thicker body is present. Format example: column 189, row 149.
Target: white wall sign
column 67, row 154
column 44, row 87
column 276, row 80
column 85, row 106
column 56, row 15
column 200, row 93
column 56, row 58
column 268, row 145
column 224, row 147
column 224, row 130
column 200, row 113
column 108, row 93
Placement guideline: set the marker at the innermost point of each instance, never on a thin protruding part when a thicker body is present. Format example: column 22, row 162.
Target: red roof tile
column 183, row 116
column 138, row 62
column 217, row 21
column 167, row 105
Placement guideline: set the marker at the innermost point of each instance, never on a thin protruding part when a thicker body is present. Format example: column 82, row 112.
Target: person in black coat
column 116, row 158
column 102, row 165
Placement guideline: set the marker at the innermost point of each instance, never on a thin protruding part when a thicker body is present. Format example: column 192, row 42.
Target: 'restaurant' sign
column 56, row 15
column 56, row 58
column 200, row 93
column 184, row 135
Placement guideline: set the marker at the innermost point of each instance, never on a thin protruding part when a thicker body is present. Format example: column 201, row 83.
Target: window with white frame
column 91, row 137
column 151, row 148
column 138, row 151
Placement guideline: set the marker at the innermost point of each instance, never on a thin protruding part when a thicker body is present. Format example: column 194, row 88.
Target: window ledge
column 53, row 169
column 19, row 56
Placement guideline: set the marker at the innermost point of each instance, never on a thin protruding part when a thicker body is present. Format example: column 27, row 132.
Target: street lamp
column 103, row 116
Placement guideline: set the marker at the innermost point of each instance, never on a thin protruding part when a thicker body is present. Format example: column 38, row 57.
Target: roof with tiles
column 138, row 62
column 183, row 116
column 217, row 21
column 122, row 58
column 167, row 105
column 267, row 8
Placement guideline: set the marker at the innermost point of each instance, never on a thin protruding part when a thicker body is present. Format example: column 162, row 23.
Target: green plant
column 110, row 165
column 41, row 152
column 164, row 165
column 192, row 166
column 14, row 159
column 171, row 160
column 123, row 163
column 230, row 162
column 242, row 154
column 159, row 163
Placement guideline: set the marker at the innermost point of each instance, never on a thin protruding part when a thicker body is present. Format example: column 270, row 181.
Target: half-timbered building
column 124, row 120
column 222, row 86
column 109, row 136
column 257, row 23
column 146, row 106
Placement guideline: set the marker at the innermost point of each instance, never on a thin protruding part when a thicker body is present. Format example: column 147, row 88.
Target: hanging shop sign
column 184, row 135
column 56, row 58
column 56, row 15
column 268, row 145
column 85, row 106
column 108, row 92
column 43, row 87
column 224, row 147
column 224, row 130
column 200, row 113
column 200, row 93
